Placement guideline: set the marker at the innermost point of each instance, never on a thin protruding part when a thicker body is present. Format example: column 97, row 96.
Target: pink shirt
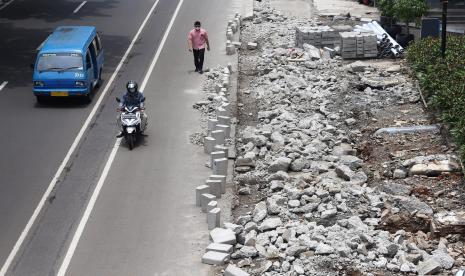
column 198, row 38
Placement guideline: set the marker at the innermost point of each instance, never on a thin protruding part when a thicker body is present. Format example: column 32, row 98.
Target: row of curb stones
column 207, row 195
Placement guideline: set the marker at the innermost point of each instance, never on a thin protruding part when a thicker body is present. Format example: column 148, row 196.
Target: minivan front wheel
column 40, row 99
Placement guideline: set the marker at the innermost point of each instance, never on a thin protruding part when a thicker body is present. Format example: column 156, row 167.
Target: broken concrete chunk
column 313, row 52
column 270, row 223
column 428, row 267
column 252, row 45
column 452, row 222
column 280, row 164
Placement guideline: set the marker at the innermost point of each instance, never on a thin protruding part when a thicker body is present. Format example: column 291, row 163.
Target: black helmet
column 132, row 87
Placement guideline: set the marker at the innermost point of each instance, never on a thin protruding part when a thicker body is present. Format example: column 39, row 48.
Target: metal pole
column 444, row 28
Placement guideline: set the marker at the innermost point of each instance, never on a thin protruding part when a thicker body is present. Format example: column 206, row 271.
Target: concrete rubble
column 311, row 207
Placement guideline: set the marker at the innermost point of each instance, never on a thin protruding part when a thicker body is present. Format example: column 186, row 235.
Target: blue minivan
column 69, row 63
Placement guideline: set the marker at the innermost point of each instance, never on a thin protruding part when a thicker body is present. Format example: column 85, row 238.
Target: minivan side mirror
column 118, row 100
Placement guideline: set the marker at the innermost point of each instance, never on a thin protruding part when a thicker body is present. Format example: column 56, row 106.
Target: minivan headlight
column 39, row 83
column 80, row 83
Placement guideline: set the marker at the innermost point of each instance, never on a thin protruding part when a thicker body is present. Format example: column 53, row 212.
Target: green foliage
column 443, row 80
column 409, row 10
column 386, row 7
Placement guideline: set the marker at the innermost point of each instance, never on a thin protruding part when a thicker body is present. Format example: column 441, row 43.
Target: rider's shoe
column 119, row 135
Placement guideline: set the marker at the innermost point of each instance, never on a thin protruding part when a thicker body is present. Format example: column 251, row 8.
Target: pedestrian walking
column 197, row 40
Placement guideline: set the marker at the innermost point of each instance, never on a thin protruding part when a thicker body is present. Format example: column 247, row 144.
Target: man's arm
column 207, row 42
column 189, row 42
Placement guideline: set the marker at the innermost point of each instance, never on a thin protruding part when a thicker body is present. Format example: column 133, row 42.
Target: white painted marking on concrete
column 71, row 150
column 77, row 235
column 5, row 5
column 79, row 7
column 3, row 85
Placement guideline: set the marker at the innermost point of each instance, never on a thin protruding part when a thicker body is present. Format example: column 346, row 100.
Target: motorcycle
column 131, row 123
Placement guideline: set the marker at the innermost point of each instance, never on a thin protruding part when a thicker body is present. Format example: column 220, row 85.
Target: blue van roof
column 68, row 39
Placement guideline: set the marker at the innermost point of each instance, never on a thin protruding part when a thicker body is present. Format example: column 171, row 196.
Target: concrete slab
column 220, row 247
column 233, row 270
column 215, row 258
column 222, row 178
column 220, row 235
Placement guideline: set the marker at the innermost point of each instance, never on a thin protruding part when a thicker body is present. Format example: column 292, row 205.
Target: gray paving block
column 220, row 247
column 205, row 199
column 220, row 166
column 209, row 144
column 212, row 205
column 222, row 178
column 233, row 270
column 216, row 155
column 213, row 218
column 226, row 129
column 220, row 235
column 215, row 187
column 215, row 258
column 202, row 189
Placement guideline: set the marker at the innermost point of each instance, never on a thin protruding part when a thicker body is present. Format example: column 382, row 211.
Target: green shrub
column 443, row 80
column 409, row 10
column 386, row 7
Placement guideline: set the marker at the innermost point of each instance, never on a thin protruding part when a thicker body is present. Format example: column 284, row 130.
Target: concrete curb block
column 199, row 191
column 205, row 199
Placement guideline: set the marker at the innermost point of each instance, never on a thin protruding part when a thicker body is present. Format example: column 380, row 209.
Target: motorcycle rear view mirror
column 118, row 100
column 143, row 100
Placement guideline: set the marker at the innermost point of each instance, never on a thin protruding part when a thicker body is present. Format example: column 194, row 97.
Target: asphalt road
column 144, row 221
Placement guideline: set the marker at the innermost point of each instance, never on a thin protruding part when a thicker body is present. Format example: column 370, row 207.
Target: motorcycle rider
column 133, row 97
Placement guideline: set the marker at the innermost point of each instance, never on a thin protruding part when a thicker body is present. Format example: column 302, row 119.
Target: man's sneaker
column 119, row 135
column 200, row 72
column 196, row 70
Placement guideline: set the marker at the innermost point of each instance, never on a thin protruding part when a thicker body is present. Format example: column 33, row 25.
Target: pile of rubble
column 316, row 212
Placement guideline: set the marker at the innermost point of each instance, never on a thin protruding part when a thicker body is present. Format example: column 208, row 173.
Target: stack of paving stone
column 358, row 45
column 321, row 36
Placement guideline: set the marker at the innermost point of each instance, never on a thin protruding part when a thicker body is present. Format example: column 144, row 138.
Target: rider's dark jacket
column 129, row 100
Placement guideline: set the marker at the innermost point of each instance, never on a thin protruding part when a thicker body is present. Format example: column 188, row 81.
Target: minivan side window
column 88, row 60
column 94, row 46
column 98, row 42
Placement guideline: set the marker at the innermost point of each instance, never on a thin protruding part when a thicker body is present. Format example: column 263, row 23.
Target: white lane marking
column 79, row 7
column 71, row 150
column 5, row 5
column 3, row 85
column 95, row 194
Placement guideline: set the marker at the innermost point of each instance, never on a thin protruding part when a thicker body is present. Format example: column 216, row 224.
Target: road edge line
column 90, row 206
column 71, row 150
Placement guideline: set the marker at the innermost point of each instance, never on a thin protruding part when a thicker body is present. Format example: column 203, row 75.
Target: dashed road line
column 71, row 150
column 5, row 5
column 3, row 85
column 79, row 7
column 90, row 206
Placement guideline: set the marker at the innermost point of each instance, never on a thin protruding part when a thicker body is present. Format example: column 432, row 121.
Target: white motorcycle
column 131, row 123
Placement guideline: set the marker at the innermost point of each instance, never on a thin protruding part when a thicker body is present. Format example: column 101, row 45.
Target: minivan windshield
column 60, row 62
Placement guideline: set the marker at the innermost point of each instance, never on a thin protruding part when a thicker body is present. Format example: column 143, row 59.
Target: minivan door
column 89, row 68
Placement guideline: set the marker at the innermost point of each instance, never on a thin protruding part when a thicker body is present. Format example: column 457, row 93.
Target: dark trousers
column 198, row 58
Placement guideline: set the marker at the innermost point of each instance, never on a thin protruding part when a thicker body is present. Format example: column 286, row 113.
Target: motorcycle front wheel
column 131, row 140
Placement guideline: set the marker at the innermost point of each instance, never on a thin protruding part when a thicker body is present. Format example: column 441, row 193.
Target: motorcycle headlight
column 80, row 83
column 39, row 83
